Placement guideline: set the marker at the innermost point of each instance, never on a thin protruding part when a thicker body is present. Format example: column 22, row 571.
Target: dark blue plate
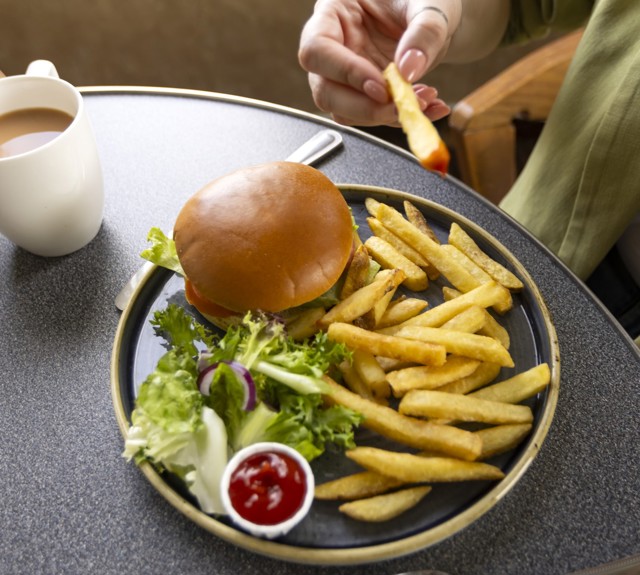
column 326, row 536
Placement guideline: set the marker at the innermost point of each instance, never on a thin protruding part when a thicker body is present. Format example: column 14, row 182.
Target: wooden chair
column 482, row 125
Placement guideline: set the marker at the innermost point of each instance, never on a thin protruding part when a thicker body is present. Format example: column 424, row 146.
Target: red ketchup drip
column 267, row 488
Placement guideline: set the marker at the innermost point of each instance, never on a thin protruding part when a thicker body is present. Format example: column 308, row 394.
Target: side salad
column 211, row 395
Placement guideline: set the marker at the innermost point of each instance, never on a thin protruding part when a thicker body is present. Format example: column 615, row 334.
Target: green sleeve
column 579, row 189
column 532, row 19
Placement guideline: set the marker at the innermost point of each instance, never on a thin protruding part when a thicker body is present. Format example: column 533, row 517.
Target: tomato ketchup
column 268, row 487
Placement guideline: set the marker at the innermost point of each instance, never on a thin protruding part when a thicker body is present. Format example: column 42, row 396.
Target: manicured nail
column 437, row 110
column 376, row 91
column 427, row 93
column 413, row 64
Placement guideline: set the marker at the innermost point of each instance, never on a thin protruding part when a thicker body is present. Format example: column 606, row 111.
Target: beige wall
column 243, row 47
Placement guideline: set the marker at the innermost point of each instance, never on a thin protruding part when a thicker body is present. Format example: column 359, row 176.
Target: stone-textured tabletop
column 71, row 504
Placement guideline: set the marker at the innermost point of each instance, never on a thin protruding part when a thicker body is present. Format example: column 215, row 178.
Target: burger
column 270, row 238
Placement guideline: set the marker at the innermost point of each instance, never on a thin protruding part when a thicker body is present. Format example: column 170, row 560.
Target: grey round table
column 71, row 504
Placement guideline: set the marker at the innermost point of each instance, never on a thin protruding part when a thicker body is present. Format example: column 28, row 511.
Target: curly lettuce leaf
column 181, row 330
column 168, row 410
column 162, row 251
column 306, row 425
column 172, row 428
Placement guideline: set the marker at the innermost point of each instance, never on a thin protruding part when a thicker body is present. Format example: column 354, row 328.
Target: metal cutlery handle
column 317, row 147
column 314, row 149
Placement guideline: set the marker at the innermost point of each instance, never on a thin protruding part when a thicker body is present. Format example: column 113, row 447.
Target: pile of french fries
column 423, row 377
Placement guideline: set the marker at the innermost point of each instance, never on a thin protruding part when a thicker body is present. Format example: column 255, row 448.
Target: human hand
column 346, row 44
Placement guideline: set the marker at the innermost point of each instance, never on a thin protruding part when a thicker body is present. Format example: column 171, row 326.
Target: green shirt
column 581, row 186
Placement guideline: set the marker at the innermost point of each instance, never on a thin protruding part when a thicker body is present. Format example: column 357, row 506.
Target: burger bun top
column 267, row 237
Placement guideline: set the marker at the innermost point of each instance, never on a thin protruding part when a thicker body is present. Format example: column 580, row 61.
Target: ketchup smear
column 267, row 488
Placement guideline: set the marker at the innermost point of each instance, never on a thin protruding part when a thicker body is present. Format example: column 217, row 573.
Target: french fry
column 517, row 388
column 430, row 377
column 418, row 469
column 401, row 310
column 439, row 404
column 502, row 306
column 422, row 137
column 485, row 295
column 354, row 382
column 371, row 374
column 471, row 320
column 370, row 319
column 371, row 205
column 470, row 345
column 477, row 272
column 384, row 507
column 306, row 324
column 467, row 263
column 416, row 217
column 357, row 272
column 405, row 249
column 492, row 328
column 484, row 374
column 449, row 293
column 456, row 274
column 356, row 486
column 390, row 258
column 401, row 348
column 459, row 238
column 502, row 438
column 360, row 301
column 409, row 431
column 389, row 364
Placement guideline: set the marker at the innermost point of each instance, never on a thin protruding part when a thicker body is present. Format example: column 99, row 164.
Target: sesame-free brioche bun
column 267, row 237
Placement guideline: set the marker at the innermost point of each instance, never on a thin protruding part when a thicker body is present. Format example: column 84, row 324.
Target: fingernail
column 413, row 64
column 427, row 93
column 437, row 110
column 376, row 91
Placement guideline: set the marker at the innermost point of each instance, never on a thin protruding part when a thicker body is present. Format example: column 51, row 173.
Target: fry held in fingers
column 422, row 136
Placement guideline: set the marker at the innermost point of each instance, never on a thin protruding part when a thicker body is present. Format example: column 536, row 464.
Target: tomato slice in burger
column 203, row 304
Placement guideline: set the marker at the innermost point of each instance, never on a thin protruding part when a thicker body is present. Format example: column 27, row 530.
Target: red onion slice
column 205, row 377
column 249, row 385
